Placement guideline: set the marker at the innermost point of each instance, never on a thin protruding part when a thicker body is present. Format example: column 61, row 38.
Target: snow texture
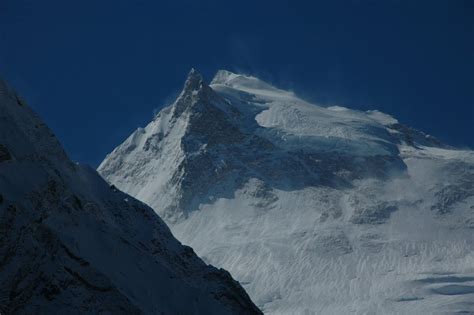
column 314, row 210
column 72, row 244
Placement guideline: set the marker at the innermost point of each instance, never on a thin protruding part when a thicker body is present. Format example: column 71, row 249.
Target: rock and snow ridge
column 315, row 210
column 72, row 244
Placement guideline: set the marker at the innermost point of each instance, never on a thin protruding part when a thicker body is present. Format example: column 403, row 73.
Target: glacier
column 314, row 210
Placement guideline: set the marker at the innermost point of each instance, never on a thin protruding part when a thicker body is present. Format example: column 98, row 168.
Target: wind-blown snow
column 296, row 124
column 314, row 210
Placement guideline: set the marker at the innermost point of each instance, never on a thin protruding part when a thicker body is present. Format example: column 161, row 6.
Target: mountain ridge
column 313, row 209
column 73, row 244
column 210, row 120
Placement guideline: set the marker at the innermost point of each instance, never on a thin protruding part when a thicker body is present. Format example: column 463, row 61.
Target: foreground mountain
column 71, row 244
column 315, row 210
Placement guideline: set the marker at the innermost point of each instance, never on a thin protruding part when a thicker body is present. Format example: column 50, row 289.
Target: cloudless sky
column 96, row 70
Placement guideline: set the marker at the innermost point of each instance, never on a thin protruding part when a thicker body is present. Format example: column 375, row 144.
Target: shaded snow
column 71, row 244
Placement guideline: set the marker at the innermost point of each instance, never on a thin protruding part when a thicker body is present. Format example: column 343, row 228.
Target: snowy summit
column 315, row 210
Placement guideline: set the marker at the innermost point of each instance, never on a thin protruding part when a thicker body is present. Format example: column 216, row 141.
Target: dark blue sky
column 96, row 70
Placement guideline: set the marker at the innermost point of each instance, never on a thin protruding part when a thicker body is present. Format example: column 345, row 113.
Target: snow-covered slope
column 314, row 210
column 71, row 244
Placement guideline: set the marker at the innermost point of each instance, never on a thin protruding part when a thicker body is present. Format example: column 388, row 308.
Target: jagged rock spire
column 195, row 89
column 194, row 80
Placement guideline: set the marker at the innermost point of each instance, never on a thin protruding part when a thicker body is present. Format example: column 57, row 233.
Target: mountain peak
column 223, row 76
column 194, row 81
column 269, row 179
column 244, row 82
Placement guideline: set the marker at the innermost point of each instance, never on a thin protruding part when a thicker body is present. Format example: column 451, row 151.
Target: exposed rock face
column 71, row 244
column 414, row 137
column 454, row 190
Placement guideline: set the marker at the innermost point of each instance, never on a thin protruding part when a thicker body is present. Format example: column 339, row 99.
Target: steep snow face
column 241, row 128
column 71, row 244
column 314, row 210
